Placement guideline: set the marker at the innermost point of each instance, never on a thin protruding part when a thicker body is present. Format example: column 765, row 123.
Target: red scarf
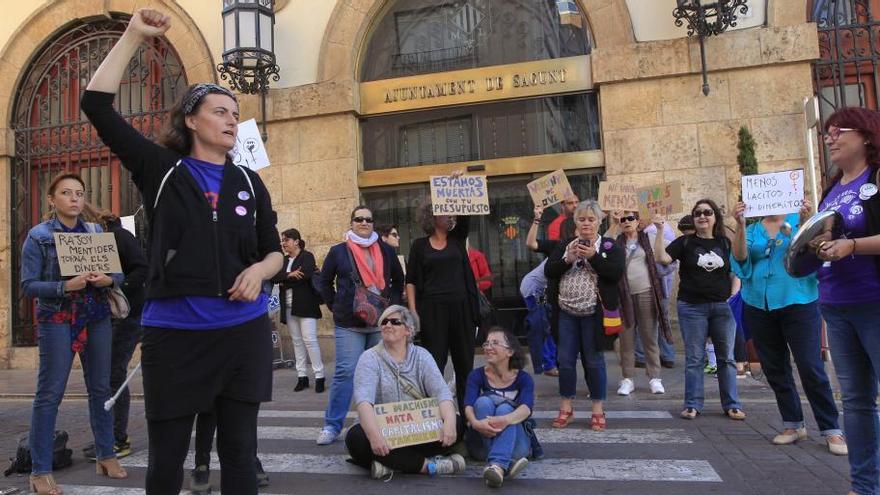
column 376, row 276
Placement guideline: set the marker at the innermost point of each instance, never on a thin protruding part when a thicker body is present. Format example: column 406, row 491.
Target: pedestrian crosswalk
column 287, row 448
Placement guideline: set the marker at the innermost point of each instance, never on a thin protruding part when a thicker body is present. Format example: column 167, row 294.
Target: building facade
column 375, row 96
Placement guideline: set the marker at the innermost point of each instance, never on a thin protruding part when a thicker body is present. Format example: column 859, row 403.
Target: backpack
column 61, row 455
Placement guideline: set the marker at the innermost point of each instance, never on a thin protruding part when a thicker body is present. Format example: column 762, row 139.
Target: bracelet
column 853, row 254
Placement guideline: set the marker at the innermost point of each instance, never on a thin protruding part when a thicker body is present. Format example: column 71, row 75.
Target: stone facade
column 656, row 124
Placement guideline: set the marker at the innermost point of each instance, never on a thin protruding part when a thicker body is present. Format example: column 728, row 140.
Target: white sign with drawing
column 249, row 150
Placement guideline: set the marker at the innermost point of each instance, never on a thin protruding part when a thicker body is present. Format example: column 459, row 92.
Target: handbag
column 119, row 305
column 366, row 304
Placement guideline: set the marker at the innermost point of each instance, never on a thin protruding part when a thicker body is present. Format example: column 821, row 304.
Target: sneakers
column 262, row 477
column 710, row 369
column 656, row 386
column 626, row 387
column 494, row 475
column 517, row 467
column 379, row 471
column 789, row 438
column 450, row 464
column 200, row 482
column 327, row 436
column 121, row 449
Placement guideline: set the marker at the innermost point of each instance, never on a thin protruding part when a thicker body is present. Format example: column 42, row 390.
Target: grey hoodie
column 376, row 383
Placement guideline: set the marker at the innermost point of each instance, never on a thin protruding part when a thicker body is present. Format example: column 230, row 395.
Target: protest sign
column 84, row 253
column 465, row 195
column 662, row 199
column 410, row 422
column 249, row 150
column 618, row 196
column 777, row 193
column 550, row 189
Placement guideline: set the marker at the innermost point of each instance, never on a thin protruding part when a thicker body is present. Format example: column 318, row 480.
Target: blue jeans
column 349, row 347
column 56, row 358
column 854, row 336
column 796, row 327
column 541, row 345
column 577, row 335
column 697, row 321
column 667, row 350
column 512, row 443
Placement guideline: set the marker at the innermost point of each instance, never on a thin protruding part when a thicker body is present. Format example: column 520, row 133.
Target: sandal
column 736, row 414
column 597, row 422
column 110, row 468
column 689, row 413
column 563, row 419
column 44, row 484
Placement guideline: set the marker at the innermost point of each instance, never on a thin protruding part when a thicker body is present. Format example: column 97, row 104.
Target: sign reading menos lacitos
column 777, row 193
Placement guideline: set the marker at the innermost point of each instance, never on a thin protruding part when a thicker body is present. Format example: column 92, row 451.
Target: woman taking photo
column 781, row 314
column 300, row 308
column 704, row 269
column 500, row 397
column 642, row 296
column 73, row 316
column 849, row 285
column 395, row 370
column 442, row 291
column 585, row 272
column 213, row 243
column 375, row 264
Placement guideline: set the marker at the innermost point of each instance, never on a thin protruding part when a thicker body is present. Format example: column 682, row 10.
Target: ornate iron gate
column 51, row 134
column 849, row 49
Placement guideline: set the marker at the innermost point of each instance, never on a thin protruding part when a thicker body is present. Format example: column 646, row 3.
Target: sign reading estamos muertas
column 465, row 195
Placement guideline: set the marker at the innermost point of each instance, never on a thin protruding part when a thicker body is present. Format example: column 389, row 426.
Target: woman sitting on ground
column 395, row 370
column 499, row 398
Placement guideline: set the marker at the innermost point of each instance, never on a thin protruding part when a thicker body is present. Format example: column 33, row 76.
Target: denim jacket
column 40, row 273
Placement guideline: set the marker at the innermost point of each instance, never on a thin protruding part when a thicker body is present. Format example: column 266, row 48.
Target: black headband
column 199, row 91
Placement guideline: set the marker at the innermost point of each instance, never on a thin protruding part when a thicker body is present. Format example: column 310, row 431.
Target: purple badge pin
column 241, row 211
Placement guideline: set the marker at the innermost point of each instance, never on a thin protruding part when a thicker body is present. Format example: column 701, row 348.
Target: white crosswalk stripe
column 536, row 415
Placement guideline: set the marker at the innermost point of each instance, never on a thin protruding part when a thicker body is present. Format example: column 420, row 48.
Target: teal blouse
column 765, row 283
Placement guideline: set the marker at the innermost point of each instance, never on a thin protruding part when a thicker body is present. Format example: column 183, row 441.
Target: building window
column 537, row 126
column 52, row 135
column 425, row 36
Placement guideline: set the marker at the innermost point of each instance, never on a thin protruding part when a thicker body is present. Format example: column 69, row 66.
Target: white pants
column 304, row 333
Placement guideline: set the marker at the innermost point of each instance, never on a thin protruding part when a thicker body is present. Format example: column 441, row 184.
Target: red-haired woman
column 849, row 285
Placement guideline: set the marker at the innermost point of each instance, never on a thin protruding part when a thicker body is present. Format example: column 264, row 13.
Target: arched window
column 414, row 38
column 52, row 135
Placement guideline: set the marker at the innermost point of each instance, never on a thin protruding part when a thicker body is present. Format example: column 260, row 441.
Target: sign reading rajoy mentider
column 410, row 422
column 500, row 82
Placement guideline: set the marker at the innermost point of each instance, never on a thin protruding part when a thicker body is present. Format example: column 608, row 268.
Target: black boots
column 319, row 385
column 200, row 484
column 302, row 383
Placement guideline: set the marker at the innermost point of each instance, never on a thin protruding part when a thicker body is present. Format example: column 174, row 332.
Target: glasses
column 494, row 343
column 703, row 213
column 833, row 133
column 630, row 218
column 362, row 220
column 391, row 321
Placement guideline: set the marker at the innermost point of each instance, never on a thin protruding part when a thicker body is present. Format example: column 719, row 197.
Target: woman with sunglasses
column 849, row 284
column 704, row 269
column 213, row 244
column 395, row 370
column 442, row 291
column 781, row 314
column 362, row 255
column 642, row 296
column 500, row 397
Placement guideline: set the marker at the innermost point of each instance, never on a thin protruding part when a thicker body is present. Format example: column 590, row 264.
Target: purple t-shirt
column 202, row 312
column 850, row 280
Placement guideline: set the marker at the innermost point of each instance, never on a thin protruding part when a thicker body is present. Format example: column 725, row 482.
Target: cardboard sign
column 84, row 253
column 465, row 195
column 551, row 189
column 618, row 196
column 662, row 199
column 409, row 422
column 249, row 150
column 777, row 193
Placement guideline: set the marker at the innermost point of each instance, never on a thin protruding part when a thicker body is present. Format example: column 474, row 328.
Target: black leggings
column 236, row 447
column 406, row 459
column 206, row 425
column 447, row 329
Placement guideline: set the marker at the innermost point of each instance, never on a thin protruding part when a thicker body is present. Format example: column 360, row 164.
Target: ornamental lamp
column 249, row 48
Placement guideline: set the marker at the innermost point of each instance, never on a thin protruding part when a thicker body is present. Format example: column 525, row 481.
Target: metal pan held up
column 801, row 259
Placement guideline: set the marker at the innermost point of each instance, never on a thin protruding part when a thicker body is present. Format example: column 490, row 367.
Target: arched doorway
column 52, row 135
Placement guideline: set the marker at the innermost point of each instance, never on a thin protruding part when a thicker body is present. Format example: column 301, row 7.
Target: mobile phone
column 584, row 242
